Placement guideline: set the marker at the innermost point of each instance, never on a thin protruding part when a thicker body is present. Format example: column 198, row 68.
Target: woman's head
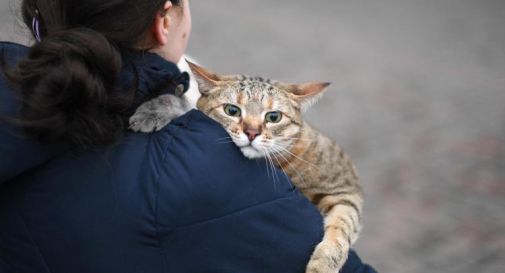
column 161, row 25
column 68, row 81
column 170, row 31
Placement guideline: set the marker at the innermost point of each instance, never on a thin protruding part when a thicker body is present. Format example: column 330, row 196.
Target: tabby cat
column 264, row 119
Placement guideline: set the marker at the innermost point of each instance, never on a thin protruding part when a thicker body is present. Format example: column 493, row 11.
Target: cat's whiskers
column 225, row 142
column 266, row 165
column 224, row 138
column 272, row 167
column 278, row 152
column 271, row 151
column 295, row 156
column 267, row 162
column 294, row 138
column 269, row 144
column 273, row 171
column 288, row 142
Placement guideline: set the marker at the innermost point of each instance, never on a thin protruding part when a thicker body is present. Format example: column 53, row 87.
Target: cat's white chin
column 251, row 153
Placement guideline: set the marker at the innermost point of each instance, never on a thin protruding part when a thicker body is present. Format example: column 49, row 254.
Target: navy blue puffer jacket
column 175, row 201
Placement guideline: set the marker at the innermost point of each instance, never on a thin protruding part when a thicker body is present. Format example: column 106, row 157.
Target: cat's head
column 262, row 117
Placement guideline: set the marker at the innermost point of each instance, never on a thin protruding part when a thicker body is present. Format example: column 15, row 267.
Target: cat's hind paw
column 327, row 258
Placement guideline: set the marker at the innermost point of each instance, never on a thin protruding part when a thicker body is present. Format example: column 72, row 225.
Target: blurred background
column 418, row 101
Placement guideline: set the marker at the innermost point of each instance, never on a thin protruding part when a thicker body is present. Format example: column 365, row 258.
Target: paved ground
column 418, row 101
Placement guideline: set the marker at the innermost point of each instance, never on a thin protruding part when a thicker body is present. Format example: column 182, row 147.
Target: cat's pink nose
column 252, row 134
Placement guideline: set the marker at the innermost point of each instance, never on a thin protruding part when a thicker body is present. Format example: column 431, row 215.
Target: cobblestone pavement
column 417, row 100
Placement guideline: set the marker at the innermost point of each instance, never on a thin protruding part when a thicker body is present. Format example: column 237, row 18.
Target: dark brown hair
column 68, row 81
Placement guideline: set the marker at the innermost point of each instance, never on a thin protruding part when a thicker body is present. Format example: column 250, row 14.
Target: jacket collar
column 151, row 76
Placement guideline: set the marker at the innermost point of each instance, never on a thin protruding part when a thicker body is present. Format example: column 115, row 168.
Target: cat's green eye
column 232, row 110
column 273, row 117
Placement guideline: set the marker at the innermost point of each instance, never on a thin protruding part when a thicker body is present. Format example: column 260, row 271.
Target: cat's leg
column 154, row 114
column 341, row 225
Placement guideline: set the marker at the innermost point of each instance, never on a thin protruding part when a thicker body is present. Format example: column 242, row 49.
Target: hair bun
column 68, row 87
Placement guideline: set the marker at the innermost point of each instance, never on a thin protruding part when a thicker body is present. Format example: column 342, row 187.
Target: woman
column 80, row 194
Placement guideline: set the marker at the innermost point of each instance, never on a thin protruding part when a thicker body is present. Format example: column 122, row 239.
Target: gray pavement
column 417, row 100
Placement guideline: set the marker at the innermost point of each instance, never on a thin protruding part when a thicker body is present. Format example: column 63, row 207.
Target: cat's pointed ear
column 307, row 94
column 206, row 79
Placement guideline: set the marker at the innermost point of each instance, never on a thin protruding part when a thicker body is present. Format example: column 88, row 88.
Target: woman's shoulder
column 205, row 174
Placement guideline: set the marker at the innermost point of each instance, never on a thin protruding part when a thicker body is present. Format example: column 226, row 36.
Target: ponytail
column 69, row 91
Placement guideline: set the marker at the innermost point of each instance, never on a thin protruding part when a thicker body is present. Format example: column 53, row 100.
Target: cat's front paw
column 147, row 122
column 155, row 114
column 328, row 257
